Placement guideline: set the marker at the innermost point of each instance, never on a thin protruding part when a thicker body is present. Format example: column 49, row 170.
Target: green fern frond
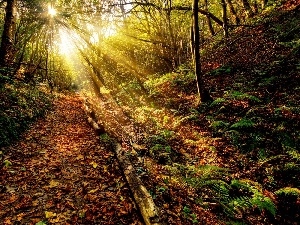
column 257, row 199
column 247, row 185
column 235, row 198
column 288, row 191
column 242, row 203
column 243, row 124
column 263, row 203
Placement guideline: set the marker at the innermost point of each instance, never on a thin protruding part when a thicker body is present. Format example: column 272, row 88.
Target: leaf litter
column 60, row 173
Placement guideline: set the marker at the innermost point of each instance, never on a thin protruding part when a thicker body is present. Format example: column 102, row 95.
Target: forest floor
column 59, row 172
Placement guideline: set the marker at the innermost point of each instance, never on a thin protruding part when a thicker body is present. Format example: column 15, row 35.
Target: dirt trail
column 61, row 173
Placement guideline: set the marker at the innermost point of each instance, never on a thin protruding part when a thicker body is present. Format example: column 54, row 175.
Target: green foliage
column 243, row 124
column 161, row 153
column 20, row 105
column 219, row 126
column 288, row 191
column 41, row 223
column 293, row 153
column 187, row 213
column 192, row 116
column 81, row 214
column 243, row 96
column 7, row 163
column 262, row 154
column 226, row 69
column 256, row 199
column 268, row 81
column 218, row 101
column 184, row 80
column 4, row 78
column 158, row 79
column 167, row 134
column 159, row 148
column 105, row 138
column 245, row 140
column 236, row 197
column 236, row 223
column 291, row 167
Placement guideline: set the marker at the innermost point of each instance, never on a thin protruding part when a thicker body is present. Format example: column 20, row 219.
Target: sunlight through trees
column 201, row 94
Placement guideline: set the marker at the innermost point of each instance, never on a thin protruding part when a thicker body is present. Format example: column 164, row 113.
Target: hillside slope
column 237, row 156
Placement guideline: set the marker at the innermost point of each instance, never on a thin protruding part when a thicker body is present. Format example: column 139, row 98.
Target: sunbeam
column 51, row 11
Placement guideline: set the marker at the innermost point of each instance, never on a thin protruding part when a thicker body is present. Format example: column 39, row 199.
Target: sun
column 51, row 11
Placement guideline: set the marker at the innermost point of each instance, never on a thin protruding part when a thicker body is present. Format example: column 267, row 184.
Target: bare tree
column 224, row 15
column 208, row 19
column 7, row 40
column 203, row 93
column 233, row 12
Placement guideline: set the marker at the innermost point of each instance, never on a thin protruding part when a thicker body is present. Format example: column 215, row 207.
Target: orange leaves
column 66, row 175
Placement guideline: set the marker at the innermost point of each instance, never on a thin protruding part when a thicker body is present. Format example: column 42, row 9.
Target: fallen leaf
column 53, row 184
column 20, row 216
column 7, row 221
column 94, row 165
column 80, row 157
column 93, row 191
column 7, row 163
column 105, row 168
column 41, row 223
column 49, row 214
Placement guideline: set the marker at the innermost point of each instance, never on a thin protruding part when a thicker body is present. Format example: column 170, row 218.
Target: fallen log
column 141, row 195
column 91, row 117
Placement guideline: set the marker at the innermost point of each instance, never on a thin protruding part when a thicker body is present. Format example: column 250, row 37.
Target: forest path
column 60, row 173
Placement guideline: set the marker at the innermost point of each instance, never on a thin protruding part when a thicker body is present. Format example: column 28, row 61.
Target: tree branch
column 176, row 8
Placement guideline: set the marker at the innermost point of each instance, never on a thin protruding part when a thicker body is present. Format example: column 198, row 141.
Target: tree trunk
column 224, row 15
column 7, row 40
column 233, row 12
column 247, row 8
column 203, row 93
column 208, row 19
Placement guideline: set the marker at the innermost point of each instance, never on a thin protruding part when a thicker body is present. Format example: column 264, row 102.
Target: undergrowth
column 20, row 105
column 255, row 114
column 251, row 127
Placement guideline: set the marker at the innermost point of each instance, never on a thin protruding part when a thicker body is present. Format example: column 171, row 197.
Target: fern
column 263, row 203
column 235, row 198
column 288, row 191
column 243, row 124
column 293, row 153
column 258, row 199
column 219, row 125
column 217, row 101
column 243, row 96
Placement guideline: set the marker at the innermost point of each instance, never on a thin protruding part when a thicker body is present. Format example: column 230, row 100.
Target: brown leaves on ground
column 60, row 173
